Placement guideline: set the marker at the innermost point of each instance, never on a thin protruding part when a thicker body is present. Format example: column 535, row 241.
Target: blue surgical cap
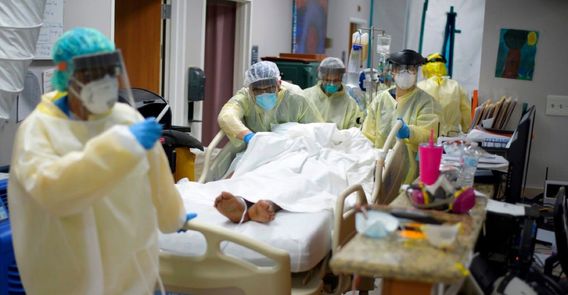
column 75, row 42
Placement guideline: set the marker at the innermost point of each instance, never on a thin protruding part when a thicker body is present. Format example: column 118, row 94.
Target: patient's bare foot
column 231, row 207
column 263, row 211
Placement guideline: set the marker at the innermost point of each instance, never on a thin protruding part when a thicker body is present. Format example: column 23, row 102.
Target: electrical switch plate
column 557, row 105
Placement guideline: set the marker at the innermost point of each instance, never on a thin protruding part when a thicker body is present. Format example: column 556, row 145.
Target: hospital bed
column 253, row 261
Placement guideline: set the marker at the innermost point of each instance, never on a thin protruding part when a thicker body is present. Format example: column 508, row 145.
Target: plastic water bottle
column 469, row 161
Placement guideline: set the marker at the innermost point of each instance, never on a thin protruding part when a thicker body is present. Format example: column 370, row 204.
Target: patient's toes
column 262, row 211
column 230, row 207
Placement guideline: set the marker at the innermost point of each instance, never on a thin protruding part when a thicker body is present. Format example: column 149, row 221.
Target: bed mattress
column 305, row 236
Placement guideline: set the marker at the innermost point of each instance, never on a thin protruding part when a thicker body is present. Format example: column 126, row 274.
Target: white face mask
column 98, row 96
column 404, row 80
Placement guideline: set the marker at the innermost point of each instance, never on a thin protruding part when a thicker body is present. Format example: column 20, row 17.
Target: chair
column 175, row 140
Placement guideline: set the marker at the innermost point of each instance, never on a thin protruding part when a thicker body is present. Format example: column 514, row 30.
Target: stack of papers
column 487, row 161
column 483, row 135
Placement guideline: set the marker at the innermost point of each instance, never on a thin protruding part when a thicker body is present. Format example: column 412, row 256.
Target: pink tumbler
column 430, row 156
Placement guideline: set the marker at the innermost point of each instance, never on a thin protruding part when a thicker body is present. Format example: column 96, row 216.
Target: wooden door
column 138, row 33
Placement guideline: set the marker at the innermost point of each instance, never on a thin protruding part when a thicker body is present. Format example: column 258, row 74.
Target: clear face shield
column 97, row 80
column 396, row 68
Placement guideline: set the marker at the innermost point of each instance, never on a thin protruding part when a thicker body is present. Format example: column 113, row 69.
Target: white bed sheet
column 302, row 168
column 305, row 236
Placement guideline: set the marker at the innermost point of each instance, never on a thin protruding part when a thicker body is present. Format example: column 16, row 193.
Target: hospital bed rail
column 217, row 270
column 384, row 170
column 214, row 143
column 214, row 269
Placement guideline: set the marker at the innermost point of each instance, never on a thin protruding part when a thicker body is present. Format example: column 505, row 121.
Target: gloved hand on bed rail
column 404, row 131
column 189, row 216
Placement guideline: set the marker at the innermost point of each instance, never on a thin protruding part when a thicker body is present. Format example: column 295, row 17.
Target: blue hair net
column 75, row 42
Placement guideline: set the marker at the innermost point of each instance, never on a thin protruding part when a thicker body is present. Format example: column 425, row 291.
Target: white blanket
column 300, row 167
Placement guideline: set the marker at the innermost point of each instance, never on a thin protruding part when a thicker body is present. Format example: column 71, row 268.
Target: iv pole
column 374, row 33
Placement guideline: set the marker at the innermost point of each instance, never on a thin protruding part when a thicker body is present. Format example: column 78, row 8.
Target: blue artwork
column 309, row 26
column 516, row 56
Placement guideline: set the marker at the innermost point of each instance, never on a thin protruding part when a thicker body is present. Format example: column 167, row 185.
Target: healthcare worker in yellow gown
column 456, row 108
column 330, row 97
column 415, row 108
column 89, row 187
column 263, row 102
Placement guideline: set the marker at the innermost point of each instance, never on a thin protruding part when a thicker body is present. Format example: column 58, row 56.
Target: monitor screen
column 518, row 156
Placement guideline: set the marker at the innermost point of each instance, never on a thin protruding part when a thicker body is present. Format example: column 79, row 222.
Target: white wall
column 391, row 16
column 7, row 134
column 96, row 14
column 339, row 15
column 186, row 49
column 549, row 18
column 467, row 48
column 271, row 26
column 87, row 13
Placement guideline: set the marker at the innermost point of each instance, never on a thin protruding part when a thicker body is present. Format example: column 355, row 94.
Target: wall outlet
column 557, row 105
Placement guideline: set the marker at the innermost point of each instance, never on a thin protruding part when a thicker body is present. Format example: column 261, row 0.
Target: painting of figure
column 516, row 56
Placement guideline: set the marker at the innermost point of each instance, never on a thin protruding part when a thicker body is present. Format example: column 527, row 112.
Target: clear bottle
column 354, row 66
column 469, row 160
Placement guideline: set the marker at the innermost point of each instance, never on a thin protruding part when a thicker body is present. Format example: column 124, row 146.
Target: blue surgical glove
column 189, row 216
column 248, row 137
column 404, row 131
column 146, row 132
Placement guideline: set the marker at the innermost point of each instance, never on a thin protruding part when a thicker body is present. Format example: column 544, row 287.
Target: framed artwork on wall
column 516, row 55
column 309, row 26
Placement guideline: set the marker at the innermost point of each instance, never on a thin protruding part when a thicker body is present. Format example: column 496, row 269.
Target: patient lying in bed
column 301, row 169
column 296, row 167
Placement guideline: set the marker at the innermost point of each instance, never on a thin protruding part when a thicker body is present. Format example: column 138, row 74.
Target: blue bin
column 10, row 282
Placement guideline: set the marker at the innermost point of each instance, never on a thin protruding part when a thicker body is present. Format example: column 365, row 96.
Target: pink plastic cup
column 430, row 157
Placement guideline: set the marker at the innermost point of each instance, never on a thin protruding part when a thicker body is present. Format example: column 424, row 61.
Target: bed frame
column 215, row 270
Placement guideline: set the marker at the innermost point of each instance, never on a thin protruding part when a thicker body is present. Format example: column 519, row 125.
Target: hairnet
column 264, row 70
column 406, row 57
column 75, row 42
column 330, row 65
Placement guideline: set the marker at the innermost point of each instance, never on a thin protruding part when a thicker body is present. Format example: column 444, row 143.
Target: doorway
column 138, row 34
column 219, row 63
